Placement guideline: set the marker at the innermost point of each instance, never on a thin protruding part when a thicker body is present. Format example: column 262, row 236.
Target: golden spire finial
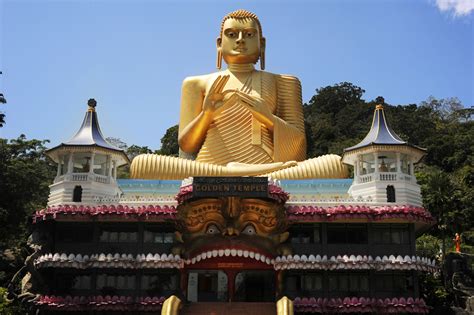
column 92, row 103
column 379, row 101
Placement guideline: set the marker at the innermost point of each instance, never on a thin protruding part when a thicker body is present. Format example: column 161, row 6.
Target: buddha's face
column 240, row 42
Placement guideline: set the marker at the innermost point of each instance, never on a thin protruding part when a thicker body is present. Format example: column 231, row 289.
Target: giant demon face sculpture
column 240, row 227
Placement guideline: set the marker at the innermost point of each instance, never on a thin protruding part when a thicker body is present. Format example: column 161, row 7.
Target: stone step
column 233, row 308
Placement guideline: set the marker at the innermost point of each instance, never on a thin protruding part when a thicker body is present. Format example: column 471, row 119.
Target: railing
column 79, row 177
column 388, row 176
column 365, row 178
column 59, row 178
column 101, row 179
column 385, row 176
column 83, row 177
column 407, row 178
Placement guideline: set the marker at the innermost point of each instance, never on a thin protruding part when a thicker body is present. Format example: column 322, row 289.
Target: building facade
column 125, row 246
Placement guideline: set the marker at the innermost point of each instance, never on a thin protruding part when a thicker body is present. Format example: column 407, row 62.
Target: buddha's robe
column 236, row 136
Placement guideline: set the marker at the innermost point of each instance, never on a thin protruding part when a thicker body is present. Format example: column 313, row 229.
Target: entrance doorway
column 207, row 286
column 255, row 286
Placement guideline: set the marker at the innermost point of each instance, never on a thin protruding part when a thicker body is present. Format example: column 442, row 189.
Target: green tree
column 25, row 174
column 335, row 118
column 169, row 142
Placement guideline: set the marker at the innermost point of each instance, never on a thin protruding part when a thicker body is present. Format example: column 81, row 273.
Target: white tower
column 87, row 166
column 383, row 165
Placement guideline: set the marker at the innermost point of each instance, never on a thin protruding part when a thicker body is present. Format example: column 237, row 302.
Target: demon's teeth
column 233, row 252
column 209, row 254
column 221, row 252
column 198, row 257
column 227, row 252
column 257, row 256
column 262, row 258
column 251, row 254
column 246, row 253
column 214, row 253
column 239, row 253
column 193, row 261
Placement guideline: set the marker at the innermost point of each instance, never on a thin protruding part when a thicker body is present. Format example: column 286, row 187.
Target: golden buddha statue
column 240, row 121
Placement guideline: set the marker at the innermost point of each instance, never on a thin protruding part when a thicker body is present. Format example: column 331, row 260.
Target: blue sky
column 131, row 56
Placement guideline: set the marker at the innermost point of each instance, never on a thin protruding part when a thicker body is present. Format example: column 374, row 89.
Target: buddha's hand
column 259, row 109
column 215, row 95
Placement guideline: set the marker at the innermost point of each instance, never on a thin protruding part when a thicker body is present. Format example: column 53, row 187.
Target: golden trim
column 285, row 306
column 171, row 306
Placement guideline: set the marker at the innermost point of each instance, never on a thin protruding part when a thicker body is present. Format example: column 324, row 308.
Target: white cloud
column 460, row 7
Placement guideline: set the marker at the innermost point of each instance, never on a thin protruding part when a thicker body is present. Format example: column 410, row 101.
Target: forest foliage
column 336, row 117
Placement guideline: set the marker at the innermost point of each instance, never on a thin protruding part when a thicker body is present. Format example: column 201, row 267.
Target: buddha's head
column 241, row 40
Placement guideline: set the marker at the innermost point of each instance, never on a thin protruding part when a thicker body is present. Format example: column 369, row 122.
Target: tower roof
column 380, row 133
column 89, row 135
column 380, row 136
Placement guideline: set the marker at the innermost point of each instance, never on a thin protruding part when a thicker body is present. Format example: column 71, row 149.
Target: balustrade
column 388, row 176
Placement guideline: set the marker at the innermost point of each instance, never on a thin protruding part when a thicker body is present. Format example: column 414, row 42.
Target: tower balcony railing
column 385, row 177
column 83, row 177
column 366, row 178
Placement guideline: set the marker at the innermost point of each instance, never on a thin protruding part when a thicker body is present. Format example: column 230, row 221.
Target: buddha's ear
column 263, row 42
column 219, row 53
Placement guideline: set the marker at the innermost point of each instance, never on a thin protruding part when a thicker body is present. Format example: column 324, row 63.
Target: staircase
column 232, row 308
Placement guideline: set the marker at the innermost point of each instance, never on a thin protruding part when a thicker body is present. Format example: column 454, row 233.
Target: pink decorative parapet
column 360, row 305
column 103, row 303
column 353, row 262
column 78, row 261
column 274, row 191
column 314, row 213
column 157, row 211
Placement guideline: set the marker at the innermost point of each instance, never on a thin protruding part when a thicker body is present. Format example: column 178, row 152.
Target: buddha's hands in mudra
column 215, row 95
column 258, row 108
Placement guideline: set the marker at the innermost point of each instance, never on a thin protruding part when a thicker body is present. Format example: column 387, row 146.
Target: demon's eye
column 249, row 230
column 212, row 229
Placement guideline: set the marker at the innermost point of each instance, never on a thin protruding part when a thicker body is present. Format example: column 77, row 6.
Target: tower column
column 399, row 163
column 412, row 169
column 58, row 172
column 109, row 166
column 115, row 170
column 91, row 162
column 376, row 166
column 91, row 167
column 70, row 164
